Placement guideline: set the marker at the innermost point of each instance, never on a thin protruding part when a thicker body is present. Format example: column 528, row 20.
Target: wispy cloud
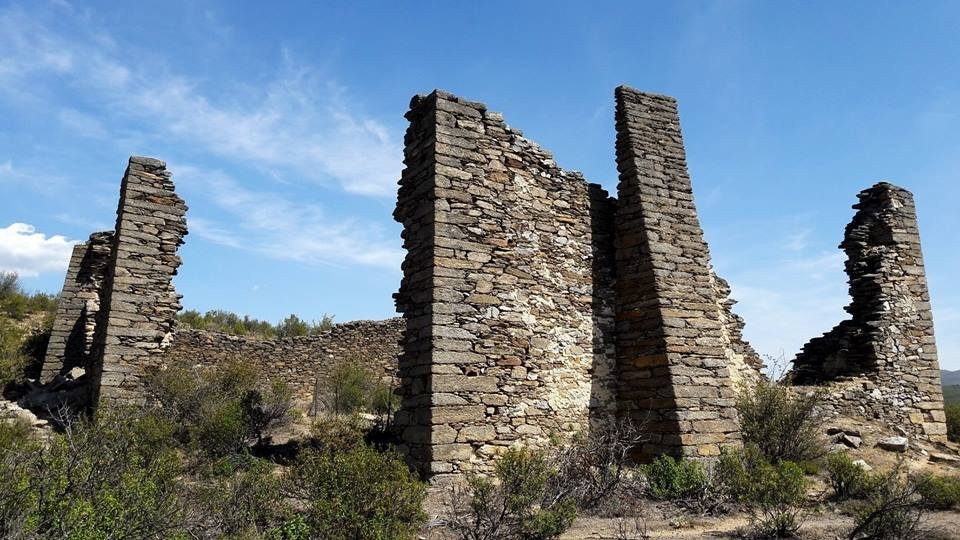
column 281, row 228
column 29, row 253
column 42, row 182
column 303, row 122
column 798, row 240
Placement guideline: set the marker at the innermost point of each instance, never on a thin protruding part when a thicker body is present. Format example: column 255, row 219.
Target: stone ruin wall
column 71, row 338
column 138, row 300
column 298, row 361
column 507, row 290
column 536, row 304
column 882, row 362
column 533, row 303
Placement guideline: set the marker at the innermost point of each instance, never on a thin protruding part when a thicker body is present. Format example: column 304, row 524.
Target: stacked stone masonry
column 536, row 305
column 71, row 339
column 507, row 290
column 298, row 361
column 139, row 303
column 882, row 362
column 671, row 339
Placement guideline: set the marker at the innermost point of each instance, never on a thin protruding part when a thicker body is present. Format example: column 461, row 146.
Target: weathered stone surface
column 509, row 262
column 894, row 444
column 882, row 362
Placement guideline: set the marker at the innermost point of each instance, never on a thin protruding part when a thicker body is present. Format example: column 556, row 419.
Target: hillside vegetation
column 231, row 323
column 25, row 323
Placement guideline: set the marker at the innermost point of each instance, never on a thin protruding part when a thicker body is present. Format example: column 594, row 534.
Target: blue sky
column 283, row 126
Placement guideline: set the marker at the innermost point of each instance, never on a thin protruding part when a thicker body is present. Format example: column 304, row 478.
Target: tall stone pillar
column 73, row 328
column 139, row 303
column 670, row 338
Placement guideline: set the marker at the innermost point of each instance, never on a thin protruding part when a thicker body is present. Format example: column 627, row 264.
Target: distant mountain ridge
column 948, row 377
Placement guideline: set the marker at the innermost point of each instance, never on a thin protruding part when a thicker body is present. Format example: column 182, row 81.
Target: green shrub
column 348, row 388
column 17, row 304
column 116, row 477
column 783, row 425
column 357, row 494
column 224, row 321
column 939, row 492
column 384, row 403
column 242, row 498
column 518, row 504
column 338, row 433
column 891, row 509
column 772, row 492
column 223, row 409
column 673, row 479
column 953, row 422
column 847, row 479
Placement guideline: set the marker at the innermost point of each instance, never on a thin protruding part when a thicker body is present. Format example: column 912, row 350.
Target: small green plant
column 939, row 492
column 675, row 479
column 517, row 504
column 847, row 479
column 891, row 509
column 782, row 424
column 359, row 493
column 772, row 492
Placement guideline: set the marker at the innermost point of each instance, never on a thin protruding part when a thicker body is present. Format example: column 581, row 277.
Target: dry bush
column 593, row 466
column 516, row 505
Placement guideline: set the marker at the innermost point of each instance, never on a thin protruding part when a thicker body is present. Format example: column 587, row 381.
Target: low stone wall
column 298, row 361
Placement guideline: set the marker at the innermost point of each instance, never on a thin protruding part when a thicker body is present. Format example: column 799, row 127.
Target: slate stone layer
column 671, row 342
column 882, row 362
column 71, row 338
column 139, row 303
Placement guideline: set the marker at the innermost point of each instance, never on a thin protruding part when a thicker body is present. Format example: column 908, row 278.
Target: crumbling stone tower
column 537, row 305
column 882, row 362
column 138, row 301
column 71, row 339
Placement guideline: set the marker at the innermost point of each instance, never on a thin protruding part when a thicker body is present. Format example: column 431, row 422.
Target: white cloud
column 303, row 122
column 277, row 227
column 29, row 253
